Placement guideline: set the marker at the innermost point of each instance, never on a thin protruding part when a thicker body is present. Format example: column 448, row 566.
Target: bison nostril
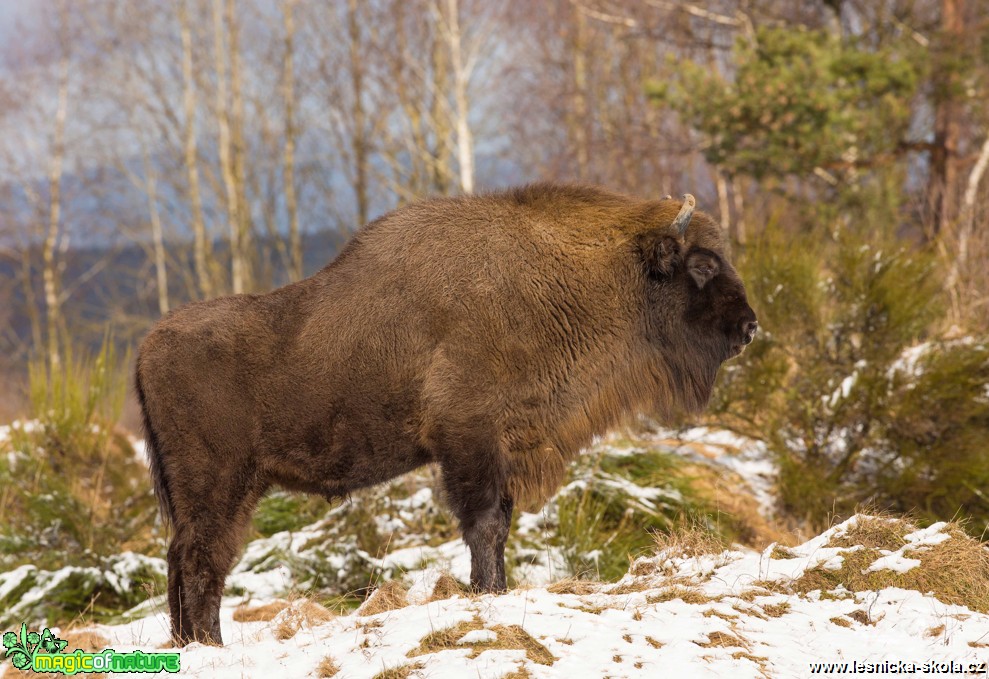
column 750, row 329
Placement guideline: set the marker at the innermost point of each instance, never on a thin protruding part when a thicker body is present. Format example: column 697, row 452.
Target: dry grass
column 688, row 595
column 508, row 637
column 388, row 597
column 327, row 668
column 301, row 613
column 750, row 595
column 713, row 613
column 574, row 586
column 87, row 640
column 836, row 595
column 875, row 532
column 862, row 616
column 687, row 541
column 520, row 673
column 840, row 621
column 935, row 631
column 403, row 672
column 265, row 613
column 742, row 655
column 652, row 642
column 731, row 495
column 780, row 552
column 956, row 571
column 754, row 611
column 446, row 587
column 584, row 608
column 722, row 640
column 776, row 610
column 643, row 567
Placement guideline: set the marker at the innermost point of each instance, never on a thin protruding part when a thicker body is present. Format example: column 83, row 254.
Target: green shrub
column 617, row 504
column 825, row 383
column 281, row 510
column 73, row 489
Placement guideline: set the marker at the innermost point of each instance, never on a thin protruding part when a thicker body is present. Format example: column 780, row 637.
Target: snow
column 26, row 427
column 478, row 636
column 748, row 458
column 731, row 626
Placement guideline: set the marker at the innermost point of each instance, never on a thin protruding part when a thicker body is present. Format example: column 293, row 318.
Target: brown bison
column 494, row 335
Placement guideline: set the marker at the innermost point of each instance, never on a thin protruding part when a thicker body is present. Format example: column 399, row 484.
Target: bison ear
column 661, row 256
column 703, row 267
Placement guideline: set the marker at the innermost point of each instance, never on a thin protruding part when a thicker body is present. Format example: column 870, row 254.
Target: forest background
column 154, row 152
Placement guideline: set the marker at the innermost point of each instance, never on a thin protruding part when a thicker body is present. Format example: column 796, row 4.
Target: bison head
column 697, row 299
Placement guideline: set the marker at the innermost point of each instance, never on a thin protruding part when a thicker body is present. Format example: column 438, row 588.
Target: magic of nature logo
column 44, row 652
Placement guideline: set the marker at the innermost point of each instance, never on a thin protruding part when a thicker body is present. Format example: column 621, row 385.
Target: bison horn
column 682, row 219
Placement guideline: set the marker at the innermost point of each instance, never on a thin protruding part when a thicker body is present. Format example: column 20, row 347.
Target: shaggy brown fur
column 494, row 335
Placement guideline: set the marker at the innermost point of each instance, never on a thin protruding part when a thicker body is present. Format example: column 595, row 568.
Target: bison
column 493, row 335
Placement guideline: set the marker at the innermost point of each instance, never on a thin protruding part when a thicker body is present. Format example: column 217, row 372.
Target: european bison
column 491, row 334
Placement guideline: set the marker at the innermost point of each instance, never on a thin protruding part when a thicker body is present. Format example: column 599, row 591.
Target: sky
column 9, row 11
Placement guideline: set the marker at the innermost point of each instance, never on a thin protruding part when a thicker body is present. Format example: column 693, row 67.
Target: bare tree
column 449, row 23
column 291, row 132
column 55, row 166
column 222, row 13
column 202, row 246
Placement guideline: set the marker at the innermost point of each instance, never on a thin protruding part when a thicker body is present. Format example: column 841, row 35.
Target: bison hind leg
column 209, row 529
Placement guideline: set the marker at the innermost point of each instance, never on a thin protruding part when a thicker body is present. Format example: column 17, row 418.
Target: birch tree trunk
column 288, row 155
column 202, row 248
column 966, row 230
column 50, row 272
column 579, row 118
column 157, row 236
column 465, row 141
column 239, row 147
column 359, row 139
column 226, row 162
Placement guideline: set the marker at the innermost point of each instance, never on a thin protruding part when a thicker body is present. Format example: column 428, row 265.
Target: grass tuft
column 327, row 668
column 574, row 586
column 301, row 613
column 955, row 571
column 509, row 637
column 403, row 672
column 721, row 639
column 447, row 587
column 688, row 595
column 390, row 596
column 264, row 613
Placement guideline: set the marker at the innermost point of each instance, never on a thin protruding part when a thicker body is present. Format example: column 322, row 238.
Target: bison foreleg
column 485, row 515
column 486, row 535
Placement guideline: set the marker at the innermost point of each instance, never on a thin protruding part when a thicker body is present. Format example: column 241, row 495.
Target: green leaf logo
column 22, row 649
column 9, row 640
column 20, row 660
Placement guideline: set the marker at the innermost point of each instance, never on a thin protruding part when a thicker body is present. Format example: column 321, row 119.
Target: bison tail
column 152, row 448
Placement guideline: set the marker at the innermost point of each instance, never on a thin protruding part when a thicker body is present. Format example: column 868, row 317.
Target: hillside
column 624, row 573
column 851, row 594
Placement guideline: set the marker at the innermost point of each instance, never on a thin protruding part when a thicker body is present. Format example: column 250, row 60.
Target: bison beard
column 494, row 335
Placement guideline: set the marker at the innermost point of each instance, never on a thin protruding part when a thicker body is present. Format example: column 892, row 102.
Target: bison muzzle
column 493, row 335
